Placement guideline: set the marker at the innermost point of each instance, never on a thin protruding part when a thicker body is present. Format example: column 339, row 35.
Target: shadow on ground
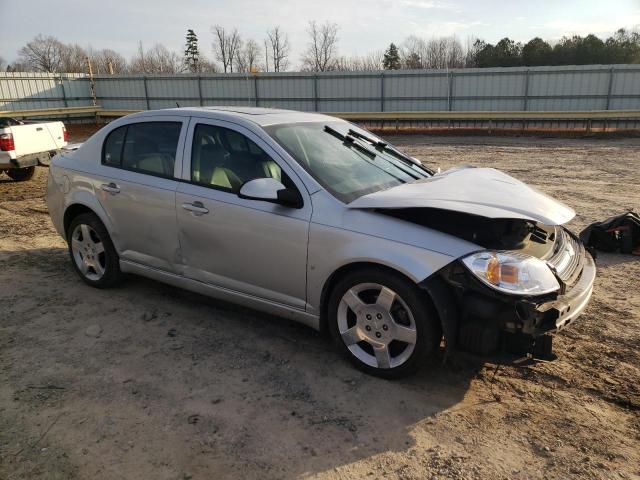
column 150, row 379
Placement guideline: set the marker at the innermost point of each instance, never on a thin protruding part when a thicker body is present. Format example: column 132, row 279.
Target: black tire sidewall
column 429, row 332
column 112, row 274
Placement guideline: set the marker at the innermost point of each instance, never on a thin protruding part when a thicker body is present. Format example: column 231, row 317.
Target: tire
column 92, row 253
column 409, row 325
column 21, row 174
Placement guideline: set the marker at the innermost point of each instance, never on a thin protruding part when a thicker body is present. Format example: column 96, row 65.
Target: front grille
column 567, row 255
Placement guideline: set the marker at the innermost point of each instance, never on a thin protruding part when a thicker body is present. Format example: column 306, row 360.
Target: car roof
column 257, row 115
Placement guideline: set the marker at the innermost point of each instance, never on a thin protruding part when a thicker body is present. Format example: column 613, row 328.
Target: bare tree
column 455, row 53
column 444, row 52
column 207, row 66
column 42, row 54
column 370, row 61
column 3, row 64
column 373, row 60
column 73, row 59
column 279, row 49
column 158, row 59
column 225, row 46
column 322, row 51
column 108, row 61
column 247, row 57
column 413, row 53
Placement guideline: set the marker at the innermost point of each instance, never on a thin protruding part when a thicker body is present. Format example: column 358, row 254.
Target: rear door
column 137, row 188
column 253, row 247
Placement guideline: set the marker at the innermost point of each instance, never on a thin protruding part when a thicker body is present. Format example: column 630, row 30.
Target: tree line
column 230, row 52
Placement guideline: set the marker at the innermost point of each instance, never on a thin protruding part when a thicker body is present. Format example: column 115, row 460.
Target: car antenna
column 177, row 105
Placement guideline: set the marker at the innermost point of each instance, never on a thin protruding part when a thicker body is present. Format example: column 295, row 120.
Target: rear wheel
column 21, row 174
column 92, row 253
column 383, row 322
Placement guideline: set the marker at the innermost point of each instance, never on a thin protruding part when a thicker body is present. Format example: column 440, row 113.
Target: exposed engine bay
column 493, row 233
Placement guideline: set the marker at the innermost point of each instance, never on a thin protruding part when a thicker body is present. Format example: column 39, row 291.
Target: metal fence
column 564, row 88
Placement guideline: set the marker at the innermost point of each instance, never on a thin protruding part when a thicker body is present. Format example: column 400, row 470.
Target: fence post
column 146, row 92
column 526, row 90
column 451, row 84
column 64, row 94
column 382, row 91
column 609, row 88
column 315, row 91
column 255, row 87
column 200, row 89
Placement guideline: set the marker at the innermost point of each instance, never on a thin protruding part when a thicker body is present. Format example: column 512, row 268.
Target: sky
column 363, row 25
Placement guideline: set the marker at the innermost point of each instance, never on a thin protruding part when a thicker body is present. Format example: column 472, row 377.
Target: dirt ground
column 145, row 381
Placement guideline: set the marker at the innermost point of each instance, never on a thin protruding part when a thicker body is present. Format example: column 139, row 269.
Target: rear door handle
column 112, row 188
column 196, row 207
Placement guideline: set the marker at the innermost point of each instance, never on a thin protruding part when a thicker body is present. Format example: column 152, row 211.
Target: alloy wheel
column 88, row 252
column 376, row 325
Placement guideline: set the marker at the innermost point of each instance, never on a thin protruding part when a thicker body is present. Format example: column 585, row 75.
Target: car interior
column 223, row 158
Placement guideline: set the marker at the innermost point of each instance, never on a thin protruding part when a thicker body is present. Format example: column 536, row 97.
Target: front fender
column 331, row 248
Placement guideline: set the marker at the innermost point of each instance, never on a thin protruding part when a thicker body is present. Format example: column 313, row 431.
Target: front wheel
column 93, row 255
column 383, row 322
column 21, row 174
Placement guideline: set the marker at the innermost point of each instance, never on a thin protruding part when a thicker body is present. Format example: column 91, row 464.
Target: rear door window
column 146, row 147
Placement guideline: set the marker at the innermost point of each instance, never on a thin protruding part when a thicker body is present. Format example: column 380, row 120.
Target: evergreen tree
column 537, row 52
column 191, row 53
column 391, row 59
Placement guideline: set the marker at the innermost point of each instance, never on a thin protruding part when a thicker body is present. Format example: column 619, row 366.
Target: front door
column 253, row 247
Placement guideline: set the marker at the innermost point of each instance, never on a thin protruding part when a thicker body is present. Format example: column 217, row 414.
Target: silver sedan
column 315, row 219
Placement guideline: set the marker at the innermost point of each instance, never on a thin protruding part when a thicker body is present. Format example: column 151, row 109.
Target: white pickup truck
column 23, row 145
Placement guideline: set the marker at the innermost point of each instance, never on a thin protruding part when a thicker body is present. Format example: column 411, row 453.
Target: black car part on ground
column 619, row 233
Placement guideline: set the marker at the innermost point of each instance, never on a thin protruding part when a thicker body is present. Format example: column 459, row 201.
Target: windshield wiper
column 349, row 141
column 383, row 146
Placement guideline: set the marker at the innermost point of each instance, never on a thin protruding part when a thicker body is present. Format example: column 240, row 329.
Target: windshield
column 347, row 165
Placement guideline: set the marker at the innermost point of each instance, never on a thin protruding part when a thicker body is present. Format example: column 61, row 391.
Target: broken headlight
column 513, row 273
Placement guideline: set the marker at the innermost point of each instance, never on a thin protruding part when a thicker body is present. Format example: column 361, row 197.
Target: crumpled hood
column 486, row 192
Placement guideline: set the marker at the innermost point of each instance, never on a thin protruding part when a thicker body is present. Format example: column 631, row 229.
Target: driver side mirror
column 270, row 190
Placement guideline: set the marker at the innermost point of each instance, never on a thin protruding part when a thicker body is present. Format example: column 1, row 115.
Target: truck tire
column 21, row 174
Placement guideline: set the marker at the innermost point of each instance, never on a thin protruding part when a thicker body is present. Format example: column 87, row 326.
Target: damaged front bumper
column 484, row 321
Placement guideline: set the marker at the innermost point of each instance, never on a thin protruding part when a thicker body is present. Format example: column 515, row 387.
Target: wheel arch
column 79, row 207
column 437, row 290
column 339, row 274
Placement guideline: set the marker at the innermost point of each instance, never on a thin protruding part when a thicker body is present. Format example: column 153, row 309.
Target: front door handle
column 196, row 207
column 112, row 188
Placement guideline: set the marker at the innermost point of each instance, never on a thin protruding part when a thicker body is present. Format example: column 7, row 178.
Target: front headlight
column 512, row 272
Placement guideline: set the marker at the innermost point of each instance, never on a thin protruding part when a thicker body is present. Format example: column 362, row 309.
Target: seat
column 209, row 167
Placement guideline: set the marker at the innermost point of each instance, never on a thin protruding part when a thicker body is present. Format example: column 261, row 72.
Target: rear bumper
column 32, row 160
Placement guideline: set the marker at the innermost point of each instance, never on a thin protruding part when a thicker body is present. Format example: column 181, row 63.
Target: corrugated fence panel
column 416, row 91
column 502, row 89
column 582, row 90
column 625, row 88
column 121, row 93
column 286, row 91
column 561, row 88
